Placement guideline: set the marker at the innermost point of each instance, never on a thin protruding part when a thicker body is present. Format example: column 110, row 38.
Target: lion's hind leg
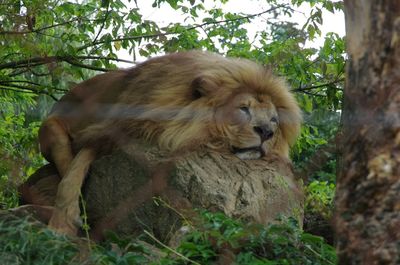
column 65, row 218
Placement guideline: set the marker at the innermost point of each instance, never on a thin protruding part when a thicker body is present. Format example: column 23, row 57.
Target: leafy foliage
column 18, row 147
column 25, row 242
column 46, row 46
column 320, row 198
column 282, row 243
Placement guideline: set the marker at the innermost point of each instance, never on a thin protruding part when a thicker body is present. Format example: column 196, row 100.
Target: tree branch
column 18, row 81
column 69, row 59
column 103, row 58
column 241, row 18
column 50, row 26
column 40, row 29
column 103, row 23
column 28, row 62
column 21, row 89
column 78, row 64
column 10, row 82
column 306, row 88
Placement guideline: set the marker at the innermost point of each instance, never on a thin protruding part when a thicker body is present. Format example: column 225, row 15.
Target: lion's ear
column 202, row 86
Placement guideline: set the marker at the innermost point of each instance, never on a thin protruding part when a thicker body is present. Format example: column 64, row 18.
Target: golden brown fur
column 182, row 101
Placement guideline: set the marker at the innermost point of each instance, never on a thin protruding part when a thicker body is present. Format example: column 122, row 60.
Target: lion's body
column 154, row 100
column 179, row 101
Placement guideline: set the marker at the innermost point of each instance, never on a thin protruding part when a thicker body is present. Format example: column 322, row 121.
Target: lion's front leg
column 65, row 218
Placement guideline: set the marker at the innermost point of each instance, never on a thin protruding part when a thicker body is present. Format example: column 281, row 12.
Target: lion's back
column 106, row 95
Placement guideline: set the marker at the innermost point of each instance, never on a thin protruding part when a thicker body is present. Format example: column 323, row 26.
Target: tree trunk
column 368, row 190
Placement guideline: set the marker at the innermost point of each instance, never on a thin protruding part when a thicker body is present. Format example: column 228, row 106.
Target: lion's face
column 248, row 123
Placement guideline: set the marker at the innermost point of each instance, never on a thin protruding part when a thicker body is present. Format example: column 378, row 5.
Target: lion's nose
column 264, row 132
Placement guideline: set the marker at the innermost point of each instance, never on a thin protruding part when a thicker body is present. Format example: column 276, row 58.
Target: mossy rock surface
column 138, row 189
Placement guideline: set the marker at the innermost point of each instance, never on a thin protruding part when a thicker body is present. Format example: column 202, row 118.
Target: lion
column 182, row 101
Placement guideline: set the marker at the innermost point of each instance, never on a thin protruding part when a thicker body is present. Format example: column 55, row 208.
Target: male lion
column 182, row 102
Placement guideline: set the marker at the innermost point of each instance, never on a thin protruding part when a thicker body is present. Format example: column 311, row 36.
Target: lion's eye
column 274, row 119
column 245, row 110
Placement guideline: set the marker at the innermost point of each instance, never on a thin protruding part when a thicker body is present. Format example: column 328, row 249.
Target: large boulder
column 138, row 188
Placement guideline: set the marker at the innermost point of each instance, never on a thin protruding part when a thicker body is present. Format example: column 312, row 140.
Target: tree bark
column 368, row 189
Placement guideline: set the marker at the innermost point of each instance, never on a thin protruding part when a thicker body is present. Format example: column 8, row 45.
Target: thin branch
column 312, row 94
column 208, row 36
column 306, row 88
column 50, row 26
column 239, row 18
column 20, row 89
column 28, row 62
column 40, row 29
column 75, row 63
column 103, row 23
column 170, row 249
column 318, row 255
column 70, row 59
column 103, row 58
column 19, row 81
column 17, row 72
column 126, row 38
column 8, row 82
column 39, row 74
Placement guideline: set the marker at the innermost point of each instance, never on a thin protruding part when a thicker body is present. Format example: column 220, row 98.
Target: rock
column 128, row 193
column 139, row 188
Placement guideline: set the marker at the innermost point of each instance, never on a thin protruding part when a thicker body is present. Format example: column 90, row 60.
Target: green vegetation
column 46, row 46
column 276, row 244
column 23, row 242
